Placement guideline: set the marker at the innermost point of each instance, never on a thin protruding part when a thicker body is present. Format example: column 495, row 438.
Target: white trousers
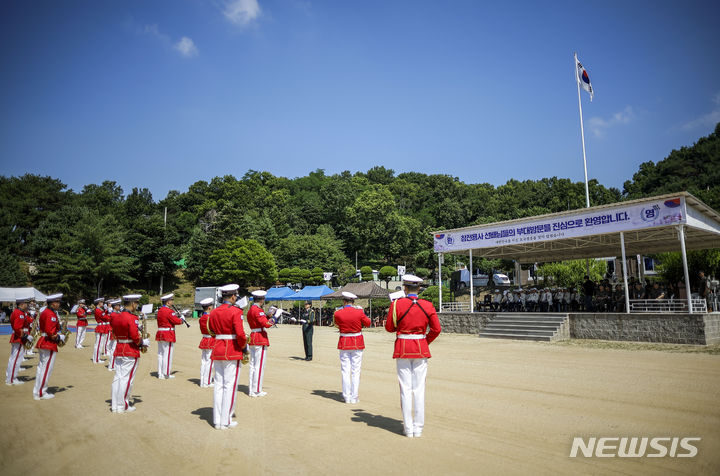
column 258, row 356
column 206, row 365
column 44, row 370
column 125, row 369
column 16, row 358
column 80, row 337
column 350, row 364
column 411, row 375
column 226, row 377
column 165, row 355
column 111, row 353
column 109, row 346
column 99, row 347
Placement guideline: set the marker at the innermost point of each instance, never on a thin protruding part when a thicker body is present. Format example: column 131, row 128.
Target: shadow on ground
column 378, row 421
column 331, row 394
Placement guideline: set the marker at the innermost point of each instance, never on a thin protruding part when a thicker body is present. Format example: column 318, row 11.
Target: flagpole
column 582, row 134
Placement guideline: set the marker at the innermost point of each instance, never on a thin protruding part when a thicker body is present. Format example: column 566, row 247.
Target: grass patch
column 659, row 346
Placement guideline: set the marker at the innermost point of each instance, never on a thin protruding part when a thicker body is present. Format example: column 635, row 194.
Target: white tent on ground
column 11, row 294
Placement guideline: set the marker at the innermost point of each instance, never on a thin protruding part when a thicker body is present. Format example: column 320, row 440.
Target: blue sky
column 160, row 94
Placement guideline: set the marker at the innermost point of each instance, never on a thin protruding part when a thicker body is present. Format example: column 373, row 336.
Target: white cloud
column 709, row 119
column 186, row 47
column 242, row 12
column 599, row 126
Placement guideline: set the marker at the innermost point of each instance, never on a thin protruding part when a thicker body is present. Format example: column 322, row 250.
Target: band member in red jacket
column 167, row 319
column 206, row 345
column 258, row 343
column 225, row 323
column 48, row 346
column 409, row 318
column 350, row 320
column 127, row 352
column 100, row 335
column 20, row 323
column 115, row 310
column 81, row 324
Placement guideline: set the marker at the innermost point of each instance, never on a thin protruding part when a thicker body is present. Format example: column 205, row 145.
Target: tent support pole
column 472, row 287
column 685, row 268
column 440, row 281
column 627, row 291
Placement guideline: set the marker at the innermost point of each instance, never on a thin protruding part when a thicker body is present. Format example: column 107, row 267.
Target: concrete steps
column 523, row 326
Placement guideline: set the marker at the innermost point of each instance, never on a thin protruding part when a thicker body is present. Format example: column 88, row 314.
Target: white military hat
column 112, row 302
column 229, row 288
column 167, row 297
column 411, row 279
column 99, row 299
column 206, row 302
column 131, row 297
column 497, row 290
column 348, row 295
column 26, row 298
column 54, row 297
column 81, row 301
column 259, row 293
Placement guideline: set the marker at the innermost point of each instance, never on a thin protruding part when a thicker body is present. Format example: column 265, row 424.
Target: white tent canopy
column 673, row 222
column 11, row 294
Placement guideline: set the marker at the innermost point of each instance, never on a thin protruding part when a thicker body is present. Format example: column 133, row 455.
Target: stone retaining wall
column 699, row 329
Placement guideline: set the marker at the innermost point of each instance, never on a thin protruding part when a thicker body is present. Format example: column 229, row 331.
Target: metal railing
column 454, row 306
column 667, row 305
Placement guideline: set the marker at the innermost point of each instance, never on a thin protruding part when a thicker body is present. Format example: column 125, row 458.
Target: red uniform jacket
column 227, row 320
column 50, row 325
column 125, row 327
column 205, row 342
column 101, row 327
column 351, row 320
column 20, row 324
column 258, row 320
column 166, row 318
column 413, row 317
column 111, row 317
column 81, row 317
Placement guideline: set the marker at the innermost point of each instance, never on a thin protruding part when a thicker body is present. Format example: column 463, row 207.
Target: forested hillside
column 103, row 239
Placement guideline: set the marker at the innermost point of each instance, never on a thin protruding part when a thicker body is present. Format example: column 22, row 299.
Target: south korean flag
column 583, row 78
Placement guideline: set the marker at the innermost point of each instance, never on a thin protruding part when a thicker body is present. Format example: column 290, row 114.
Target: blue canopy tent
column 280, row 294
column 312, row 293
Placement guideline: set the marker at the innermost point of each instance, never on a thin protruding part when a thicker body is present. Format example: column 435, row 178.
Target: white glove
column 61, row 337
column 146, row 342
column 30, row 338
column 303, row 321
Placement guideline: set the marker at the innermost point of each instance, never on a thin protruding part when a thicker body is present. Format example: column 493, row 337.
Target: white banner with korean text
column 650, row 214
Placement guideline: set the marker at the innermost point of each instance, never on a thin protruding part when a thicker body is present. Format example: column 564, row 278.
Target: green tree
column 571, row 273
column 386, row 273
column 322, row 249
column 317, row 275
column 432, row 293
column 81, row 253
column 285, row 275
column 366, row 273
column 11, row 274
column 306, row 276
column 244, row 262
column 671, row 270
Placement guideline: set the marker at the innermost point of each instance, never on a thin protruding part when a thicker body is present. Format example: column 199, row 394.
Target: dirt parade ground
column 492, row 407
